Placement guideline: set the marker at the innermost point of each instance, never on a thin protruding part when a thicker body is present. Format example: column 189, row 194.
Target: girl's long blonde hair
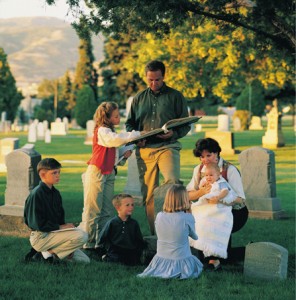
column 176, row 199
column 103, row 114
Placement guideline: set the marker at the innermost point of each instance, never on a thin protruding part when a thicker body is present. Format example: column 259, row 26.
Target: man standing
column 151, row 109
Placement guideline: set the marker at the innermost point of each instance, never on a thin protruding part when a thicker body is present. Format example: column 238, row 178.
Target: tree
column 85, row 71
column 46, row 91
column 86, row 105
column 271, row 20
column 66, row 94
column 10, row 98
column 252, row 98
column 119, row 81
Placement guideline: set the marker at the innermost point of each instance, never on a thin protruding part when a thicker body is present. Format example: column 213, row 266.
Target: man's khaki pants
column 151, row 161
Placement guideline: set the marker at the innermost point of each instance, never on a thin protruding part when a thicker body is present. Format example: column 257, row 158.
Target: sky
column 33, row 8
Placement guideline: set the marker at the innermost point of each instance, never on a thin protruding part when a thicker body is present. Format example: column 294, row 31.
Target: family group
column 202, row 215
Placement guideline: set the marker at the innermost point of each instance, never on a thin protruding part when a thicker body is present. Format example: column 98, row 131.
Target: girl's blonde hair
column 103, row 114
column 176, row 199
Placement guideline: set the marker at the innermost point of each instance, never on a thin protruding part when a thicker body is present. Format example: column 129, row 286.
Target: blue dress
column 173, row 258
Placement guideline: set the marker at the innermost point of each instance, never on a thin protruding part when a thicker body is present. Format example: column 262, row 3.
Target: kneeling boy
column 45, row 216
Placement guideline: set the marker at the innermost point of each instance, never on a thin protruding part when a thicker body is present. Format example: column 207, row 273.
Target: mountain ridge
column 40, row 48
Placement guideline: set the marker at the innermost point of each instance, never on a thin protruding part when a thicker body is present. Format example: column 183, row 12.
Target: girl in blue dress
column 173, row 227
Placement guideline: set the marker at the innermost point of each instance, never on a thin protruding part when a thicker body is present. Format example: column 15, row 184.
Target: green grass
column 108, row 281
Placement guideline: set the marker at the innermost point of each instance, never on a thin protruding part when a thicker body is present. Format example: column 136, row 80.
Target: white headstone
column 7, row 145
column 45, row 125
column 40, row 131
column 198, row 127
column 47, row 138
column 32, row 134
column 3, row 116
column 58, row 120
column 255, row 123
column 90, row 125
column 133, row 185
column 236, row 124
column 273, row 137
column 223, row 123
column 66, row 122
column 58, row 128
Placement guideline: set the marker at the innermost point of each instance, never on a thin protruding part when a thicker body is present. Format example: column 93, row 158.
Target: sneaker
column 29, row 256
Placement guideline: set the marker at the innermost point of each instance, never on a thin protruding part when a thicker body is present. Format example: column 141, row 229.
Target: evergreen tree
column 10, row 98
column 86, row 105
column 66, row 94
column 85, row 71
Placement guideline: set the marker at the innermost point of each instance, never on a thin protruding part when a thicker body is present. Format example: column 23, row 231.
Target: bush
column 243, row 115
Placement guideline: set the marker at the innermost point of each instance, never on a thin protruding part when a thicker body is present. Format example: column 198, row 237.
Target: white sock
column 46, row 254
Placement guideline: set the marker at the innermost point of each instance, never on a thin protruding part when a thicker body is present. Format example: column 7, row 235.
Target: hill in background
column 41, row 47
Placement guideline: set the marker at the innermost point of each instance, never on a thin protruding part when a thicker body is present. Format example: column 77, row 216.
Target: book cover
column 171, row 124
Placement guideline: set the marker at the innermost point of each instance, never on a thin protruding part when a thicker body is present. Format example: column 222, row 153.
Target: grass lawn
column 108, row 281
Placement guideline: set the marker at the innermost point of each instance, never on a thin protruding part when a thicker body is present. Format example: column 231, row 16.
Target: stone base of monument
column 266, row 260
column 12, row 210
column 268, row 215
column 265, row 208
column 273, row 140
column 13, row 226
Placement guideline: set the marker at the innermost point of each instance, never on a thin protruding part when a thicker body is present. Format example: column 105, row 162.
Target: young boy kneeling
column 121, row 236
column 45, row 216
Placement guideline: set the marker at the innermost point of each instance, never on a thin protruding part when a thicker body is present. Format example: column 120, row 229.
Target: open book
column 171, row 124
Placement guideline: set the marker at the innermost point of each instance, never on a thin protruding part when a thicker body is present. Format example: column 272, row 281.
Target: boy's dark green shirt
column 150, row 111
column 43, row 209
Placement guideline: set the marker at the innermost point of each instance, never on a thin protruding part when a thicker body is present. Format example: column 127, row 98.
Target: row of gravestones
column 263, row 260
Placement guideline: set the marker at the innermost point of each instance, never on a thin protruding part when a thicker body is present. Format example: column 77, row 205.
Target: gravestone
column 259, row 182
column 133, row 186
column 90, row 126
column 5, row 126
column 266, row 260
column 22, row 177
column 223, row 123
column 40, row 131
column 225, row 140
column 32, row 133
column 237, row 124
column 7, row 145
column 3, row 116
column 198, row 127
column 45, row 125
column 255, row 123
column 66, row 122
column 58, row 128
column 47, row 138
column 273, row 137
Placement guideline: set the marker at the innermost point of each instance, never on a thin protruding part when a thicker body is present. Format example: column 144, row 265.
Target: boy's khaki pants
column 62, row 243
